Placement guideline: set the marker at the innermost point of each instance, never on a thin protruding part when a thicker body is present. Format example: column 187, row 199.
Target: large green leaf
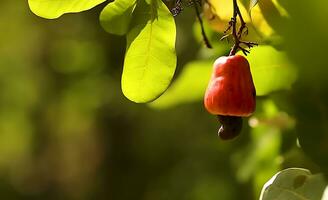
column 294, row 184
column 52, row 9
column 116, row 16
column 189, row 87
column 150, row 60
column 271, row 69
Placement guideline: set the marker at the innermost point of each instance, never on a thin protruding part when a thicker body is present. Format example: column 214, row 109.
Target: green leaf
column 294, row 184
column 189, row 87
column 271, row 70
column 116, row 16
column 274, row 14
column 52, row 9
column 150, row 60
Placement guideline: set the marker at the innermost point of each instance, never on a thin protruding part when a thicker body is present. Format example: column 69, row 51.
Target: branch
column 238, row 35
column 206, row 41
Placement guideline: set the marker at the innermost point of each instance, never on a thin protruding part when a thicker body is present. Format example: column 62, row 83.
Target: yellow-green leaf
column 150, row 59
column 52, row 9
column 271, row 70
column 252, row 3
column 116, row 16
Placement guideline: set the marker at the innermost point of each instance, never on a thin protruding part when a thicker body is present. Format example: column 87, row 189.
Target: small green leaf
column 150, row 60
column 189, row 87
column 271, row 70
column 294, row 184
column 52, row 9
column 116, row 16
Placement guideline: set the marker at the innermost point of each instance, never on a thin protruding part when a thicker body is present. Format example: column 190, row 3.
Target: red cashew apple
column 231, row 90
column 230, row 93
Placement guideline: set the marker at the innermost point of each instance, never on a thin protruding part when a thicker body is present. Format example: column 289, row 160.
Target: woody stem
column 234, row 28
column 206, row 41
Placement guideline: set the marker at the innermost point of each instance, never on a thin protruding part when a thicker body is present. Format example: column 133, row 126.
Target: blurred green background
column 67, row 131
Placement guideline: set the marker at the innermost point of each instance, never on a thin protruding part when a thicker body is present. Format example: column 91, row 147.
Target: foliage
column 147, row 71
column 54, row 9
column 116, row 16
column 293, row 184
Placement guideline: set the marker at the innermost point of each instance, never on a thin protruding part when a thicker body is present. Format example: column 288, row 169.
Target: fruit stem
column 234, row 29
column 238, row 35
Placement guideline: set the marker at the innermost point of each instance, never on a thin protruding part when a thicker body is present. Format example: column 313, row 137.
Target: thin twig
column 242, row 22
column 238, row 35
column 234, row 29
column 206, row 41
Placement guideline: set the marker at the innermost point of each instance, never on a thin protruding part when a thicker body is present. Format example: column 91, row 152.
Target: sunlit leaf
column 150, row 60
column 116, row 16
column 189, row 87
column 269, row 14
column 220, row 12
column 52, row 9
column 252, row 3
column 271, row 70
column 294, row 184
column 266, row 16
